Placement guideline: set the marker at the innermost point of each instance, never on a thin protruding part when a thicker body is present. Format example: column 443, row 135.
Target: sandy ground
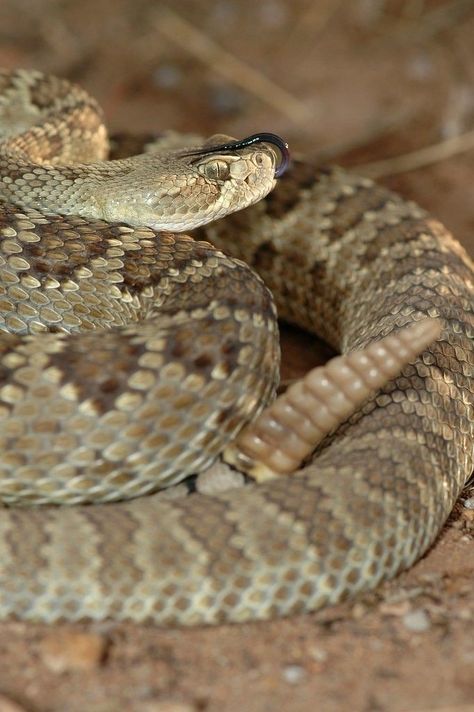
column 356, row 82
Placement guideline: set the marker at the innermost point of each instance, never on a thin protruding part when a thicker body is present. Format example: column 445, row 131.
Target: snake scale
column 343, row 258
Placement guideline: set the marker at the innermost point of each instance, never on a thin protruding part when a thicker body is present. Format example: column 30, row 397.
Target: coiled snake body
column 175, row 339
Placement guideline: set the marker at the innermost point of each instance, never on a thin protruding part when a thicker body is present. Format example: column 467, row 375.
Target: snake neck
column 49, row 188
column 114, row 191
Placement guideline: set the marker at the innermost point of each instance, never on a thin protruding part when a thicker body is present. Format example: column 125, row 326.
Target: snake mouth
column 272, row 139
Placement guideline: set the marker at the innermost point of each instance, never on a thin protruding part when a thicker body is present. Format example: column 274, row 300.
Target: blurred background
column 355, row 82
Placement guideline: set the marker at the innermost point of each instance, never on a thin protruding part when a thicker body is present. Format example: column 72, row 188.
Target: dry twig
column 189, row 38
column 419, row 158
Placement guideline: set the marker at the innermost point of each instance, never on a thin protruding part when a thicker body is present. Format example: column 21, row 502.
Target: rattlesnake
column 343, row 257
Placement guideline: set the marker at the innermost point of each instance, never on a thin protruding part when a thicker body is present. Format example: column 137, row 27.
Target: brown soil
column 356, row 82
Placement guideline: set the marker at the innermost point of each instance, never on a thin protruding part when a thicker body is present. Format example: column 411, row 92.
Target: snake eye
column 215, row 169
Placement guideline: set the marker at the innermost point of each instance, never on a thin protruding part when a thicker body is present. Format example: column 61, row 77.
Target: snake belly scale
column 106, row 316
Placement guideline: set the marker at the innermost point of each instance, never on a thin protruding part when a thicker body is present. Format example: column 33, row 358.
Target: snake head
column 185, row 188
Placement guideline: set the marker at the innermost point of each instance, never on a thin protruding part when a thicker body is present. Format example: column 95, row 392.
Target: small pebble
column 293, row 674
column 318, row 654
column 155, row 706
column 395, row 608
column 226, row 100
column 420, row 68
column 273, row 14
column 417, row 621
column 218, row 478
column 73, row 651
column 167, row 76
